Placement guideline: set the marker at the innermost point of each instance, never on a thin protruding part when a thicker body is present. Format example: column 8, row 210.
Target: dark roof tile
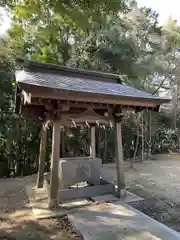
column 80, row 84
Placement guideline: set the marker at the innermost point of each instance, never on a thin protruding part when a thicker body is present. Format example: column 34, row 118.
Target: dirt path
column 17, row 221
column 159, row 183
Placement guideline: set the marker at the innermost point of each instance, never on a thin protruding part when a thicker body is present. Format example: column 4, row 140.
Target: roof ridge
column 29, row 63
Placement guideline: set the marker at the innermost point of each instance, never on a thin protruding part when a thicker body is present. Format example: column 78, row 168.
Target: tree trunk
column 137, row 142
column 18, row 152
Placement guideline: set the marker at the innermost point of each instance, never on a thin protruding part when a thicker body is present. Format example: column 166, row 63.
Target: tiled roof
column 78, row 83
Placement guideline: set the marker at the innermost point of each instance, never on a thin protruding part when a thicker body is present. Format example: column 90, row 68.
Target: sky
column 4, row 21
column 166, row 9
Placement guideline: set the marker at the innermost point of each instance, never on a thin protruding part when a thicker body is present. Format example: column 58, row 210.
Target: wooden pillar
column 42, row 155
column 93, row 143
column 54, row 181
column 62, row 144
column 119, row 159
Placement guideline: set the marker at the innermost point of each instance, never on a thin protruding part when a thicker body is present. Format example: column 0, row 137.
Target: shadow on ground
column 33, row 229
column 17, row 221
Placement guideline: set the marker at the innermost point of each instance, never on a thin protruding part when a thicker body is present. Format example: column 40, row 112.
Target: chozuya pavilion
column 68, row 96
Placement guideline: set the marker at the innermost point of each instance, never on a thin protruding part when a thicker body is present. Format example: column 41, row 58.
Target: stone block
column 80, row 169
column 86, row 192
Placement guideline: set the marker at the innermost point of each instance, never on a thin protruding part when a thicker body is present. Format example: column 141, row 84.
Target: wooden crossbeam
column 65, row 104
column 48, row 93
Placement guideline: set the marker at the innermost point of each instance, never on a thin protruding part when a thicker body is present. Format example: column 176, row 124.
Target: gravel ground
column 17, row 221
column 158, row 182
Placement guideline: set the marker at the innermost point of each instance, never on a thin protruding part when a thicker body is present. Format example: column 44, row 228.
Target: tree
column 111, row 36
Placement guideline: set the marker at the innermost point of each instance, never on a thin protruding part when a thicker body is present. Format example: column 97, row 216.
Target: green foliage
column 100, row 35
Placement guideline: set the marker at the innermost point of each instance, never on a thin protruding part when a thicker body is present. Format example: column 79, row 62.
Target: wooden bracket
column 27, row 97
column 118, row 117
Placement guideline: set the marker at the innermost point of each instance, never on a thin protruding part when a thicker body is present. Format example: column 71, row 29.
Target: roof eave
column 58, row 94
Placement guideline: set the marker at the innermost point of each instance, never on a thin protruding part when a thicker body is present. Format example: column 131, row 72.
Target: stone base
column 87, row 192
column 38, row 198
column 79, row 169
column 128, row 198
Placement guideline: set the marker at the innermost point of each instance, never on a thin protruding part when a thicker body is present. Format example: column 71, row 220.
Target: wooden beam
column 42, row 155
column 93, row 143
column 83, row 117
column 48, row 93
column 90, row 118
column 65, row 104
column 39, row 112
column 54, row 180
column 119, row 159
column 95, row 98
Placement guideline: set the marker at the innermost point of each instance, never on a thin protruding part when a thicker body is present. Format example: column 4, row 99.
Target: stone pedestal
column 80, row 169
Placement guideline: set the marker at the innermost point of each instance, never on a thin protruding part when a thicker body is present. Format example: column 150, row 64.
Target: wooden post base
column 121, row 193
column 52, row 204
column 39, row 184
